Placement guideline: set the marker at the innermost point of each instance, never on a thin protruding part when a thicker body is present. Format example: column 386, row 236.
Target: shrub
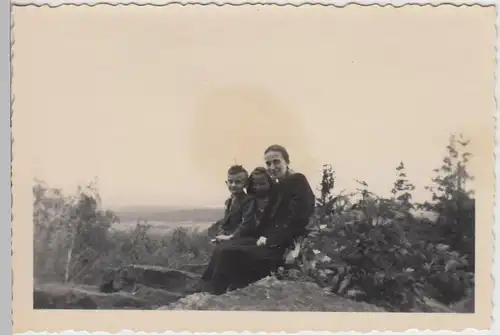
column 70, row 232
column 360, row 245
column 375, row 250
column 453, row 200
column 73, row 241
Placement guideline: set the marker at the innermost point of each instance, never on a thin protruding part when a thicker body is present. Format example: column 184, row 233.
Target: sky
column 158, row 102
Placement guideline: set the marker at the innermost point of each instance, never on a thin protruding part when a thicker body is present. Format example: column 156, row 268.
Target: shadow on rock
column 129, row 287
column 157, row 277
column 61, row 296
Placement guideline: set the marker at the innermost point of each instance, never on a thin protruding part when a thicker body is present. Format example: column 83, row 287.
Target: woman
column 294, row 203
column 266, row 232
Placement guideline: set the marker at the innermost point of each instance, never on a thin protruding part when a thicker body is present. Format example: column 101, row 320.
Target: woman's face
column 276, row 164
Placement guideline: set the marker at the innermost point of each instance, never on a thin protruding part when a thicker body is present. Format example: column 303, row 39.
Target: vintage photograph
column 256, row 158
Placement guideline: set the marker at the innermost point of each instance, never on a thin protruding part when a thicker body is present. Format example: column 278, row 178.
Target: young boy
column 236, row 182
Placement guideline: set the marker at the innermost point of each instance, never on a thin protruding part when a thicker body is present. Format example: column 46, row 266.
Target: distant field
column 166, row 214
column 164, row 219
column 161, row 227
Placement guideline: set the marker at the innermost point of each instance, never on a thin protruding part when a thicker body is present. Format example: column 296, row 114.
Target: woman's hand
column 261, row 241
column 223, row 237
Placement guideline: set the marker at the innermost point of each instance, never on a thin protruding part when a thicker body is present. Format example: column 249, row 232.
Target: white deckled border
column 336, row 3
column 129, row 332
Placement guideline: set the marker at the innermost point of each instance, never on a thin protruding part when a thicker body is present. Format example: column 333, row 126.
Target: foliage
column 453, row 200
column 360, row 245
column 70, row 232
column 374, row 249
column 328, row 204
column 402, row 189
column 74, row 241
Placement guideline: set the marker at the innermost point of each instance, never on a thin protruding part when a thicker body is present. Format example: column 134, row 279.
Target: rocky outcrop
column 195, row 268
column 60, row 296
column 145, row 287
column 154, row 297
column 129, row 287
column 152, row 287
column 466, row 305
column 271, row 294
column 156, row 277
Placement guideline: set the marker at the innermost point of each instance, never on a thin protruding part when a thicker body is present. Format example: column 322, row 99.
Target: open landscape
column 162, row 220
column 363, row 252
column 161, row 227
column 169, row 214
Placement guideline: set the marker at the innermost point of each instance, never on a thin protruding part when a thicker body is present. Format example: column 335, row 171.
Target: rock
column 54, row 299
column 172, row 280
column 270, row 294
column 107, row 281
column 196, row 301
column 155, row 297
column 430, row 305
column 466, row 305
column 62, row 296
column 195, row 268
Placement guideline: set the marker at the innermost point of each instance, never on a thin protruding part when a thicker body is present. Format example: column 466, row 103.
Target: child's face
column 260, row 183
column 236, row 182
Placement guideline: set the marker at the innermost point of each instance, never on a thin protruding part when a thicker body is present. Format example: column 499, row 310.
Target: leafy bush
column 360, row 245
column 374, row 249
column 73, row 241
column 70, row 232
column 454, row 201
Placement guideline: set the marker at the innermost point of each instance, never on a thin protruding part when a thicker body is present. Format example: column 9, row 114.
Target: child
column 236, row 182
column 255, row 216
column 258, row 191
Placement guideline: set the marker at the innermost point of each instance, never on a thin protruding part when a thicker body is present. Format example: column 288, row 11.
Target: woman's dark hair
column 281, row 149
column 258, row 171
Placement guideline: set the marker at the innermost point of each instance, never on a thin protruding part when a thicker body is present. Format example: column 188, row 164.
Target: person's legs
column 244, row 263
column 217, row 276
column 208, row 273
column 229, row 262
column 263, row 263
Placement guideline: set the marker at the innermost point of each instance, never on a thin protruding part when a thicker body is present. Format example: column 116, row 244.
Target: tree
column 402, row 189
column 327, row 202
column 74, row 226
column 452, row 176
column 453, row 200
column 87, row 231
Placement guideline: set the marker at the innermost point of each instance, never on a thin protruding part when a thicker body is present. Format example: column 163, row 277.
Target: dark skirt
column 239, row 262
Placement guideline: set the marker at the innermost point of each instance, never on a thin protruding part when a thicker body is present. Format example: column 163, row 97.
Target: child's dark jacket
column 232, row 216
